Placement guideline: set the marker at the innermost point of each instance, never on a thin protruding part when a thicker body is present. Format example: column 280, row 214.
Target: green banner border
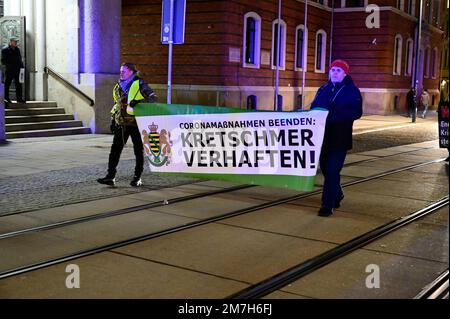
column 159, row 109
column 299, row 183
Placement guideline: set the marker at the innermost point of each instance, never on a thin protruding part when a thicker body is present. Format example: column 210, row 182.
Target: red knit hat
column 341, row 64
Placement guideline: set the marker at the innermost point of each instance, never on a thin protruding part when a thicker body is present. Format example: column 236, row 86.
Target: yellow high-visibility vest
column 133, row 94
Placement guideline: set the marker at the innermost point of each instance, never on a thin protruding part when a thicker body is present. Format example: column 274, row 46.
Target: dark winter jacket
column 411, row 99
column 344, row 103
column 12, row 59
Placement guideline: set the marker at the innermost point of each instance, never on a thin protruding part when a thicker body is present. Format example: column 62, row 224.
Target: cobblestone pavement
column 57, row 171
column 63, row 187
column 52, row 172
column 410, row 133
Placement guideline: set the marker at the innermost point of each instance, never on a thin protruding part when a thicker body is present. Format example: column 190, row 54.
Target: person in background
column 411, row 102
column 425, row 101
column 12, row 61
column 343, row 101
column 128, row 92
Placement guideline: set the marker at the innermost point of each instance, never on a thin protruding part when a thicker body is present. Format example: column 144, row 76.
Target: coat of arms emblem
column 157, row 145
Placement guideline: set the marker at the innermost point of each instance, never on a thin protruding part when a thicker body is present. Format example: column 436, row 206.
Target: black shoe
column 21, row 101
column 337, row 204
column 325, row 212
column 8, row 100
column 136, row 182
column 108, row 180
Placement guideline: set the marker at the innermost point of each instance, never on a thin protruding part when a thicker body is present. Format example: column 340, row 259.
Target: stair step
column 42, row 126
column 34, row 111
column 31, row 104
column 48, row 133
column 38, row 118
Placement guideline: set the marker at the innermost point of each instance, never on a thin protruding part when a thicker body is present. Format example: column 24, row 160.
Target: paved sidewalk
column 37, row 155
column 37, row 173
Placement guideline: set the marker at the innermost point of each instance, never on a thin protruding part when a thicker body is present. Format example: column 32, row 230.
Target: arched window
column 434, row 64
column 397, row 54
column 281, row 42
column 412, row 7
column 252, row 40
column 321, row 46
column 301, row 38
column 426, row 63
column 409, row 57
column 280, row 102
column 252, row 102
column 299, row 102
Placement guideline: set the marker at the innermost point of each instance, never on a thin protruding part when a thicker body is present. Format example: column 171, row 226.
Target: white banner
column 271, row 143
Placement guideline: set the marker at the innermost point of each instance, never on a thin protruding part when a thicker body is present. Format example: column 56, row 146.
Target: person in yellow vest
column 128, row 92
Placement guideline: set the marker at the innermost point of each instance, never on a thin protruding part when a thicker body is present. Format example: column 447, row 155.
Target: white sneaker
column 136, row 182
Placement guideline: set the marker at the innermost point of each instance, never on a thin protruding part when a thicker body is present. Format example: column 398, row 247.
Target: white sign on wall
column 234, row 55
column 265, row 57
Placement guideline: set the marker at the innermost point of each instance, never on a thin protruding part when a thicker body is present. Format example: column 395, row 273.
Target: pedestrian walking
column 425, row 101
column 343, row 101
column 130, row 90
column 12, row 61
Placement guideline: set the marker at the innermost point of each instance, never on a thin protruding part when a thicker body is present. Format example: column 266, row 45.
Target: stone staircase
column 40, row 119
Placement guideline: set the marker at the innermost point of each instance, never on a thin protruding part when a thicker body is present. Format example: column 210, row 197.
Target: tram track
column 437, row 289
column 156, row 204
column 91, row 251
column 304, row 268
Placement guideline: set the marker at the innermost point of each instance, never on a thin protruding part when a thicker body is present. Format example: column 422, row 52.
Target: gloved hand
column 112, row 126
column 133, row 103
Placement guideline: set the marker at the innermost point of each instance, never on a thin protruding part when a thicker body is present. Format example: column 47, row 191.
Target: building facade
column 229, row 55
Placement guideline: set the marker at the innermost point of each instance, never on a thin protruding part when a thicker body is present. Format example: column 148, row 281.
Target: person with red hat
column 343, row 100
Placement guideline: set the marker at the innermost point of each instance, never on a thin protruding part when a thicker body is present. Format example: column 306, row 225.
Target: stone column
column 100, row 33
column 29, row 55
column 41, row 81
column 100, row 26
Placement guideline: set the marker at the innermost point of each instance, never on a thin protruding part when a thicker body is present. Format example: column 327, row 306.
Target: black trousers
column 331, row 163
column 121, row 135
column 9, row 77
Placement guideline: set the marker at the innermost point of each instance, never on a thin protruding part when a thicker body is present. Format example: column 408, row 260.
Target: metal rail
column 438, row 289
column 123, row 211
column 292, row 274
column 91, row 251
column 69, row 85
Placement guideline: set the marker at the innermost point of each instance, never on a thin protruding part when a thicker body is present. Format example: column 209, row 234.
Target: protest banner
column 443, row 112
column 279, row 149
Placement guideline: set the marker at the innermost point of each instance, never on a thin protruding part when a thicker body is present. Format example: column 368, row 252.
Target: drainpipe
column 277, row 62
